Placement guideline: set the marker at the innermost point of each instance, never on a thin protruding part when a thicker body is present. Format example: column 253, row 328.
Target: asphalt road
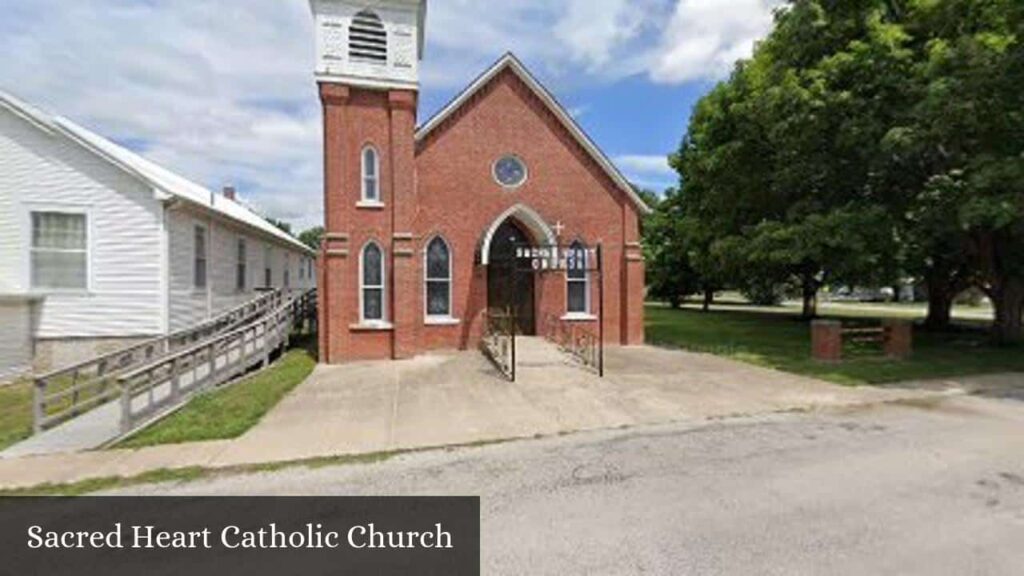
column 932, row 488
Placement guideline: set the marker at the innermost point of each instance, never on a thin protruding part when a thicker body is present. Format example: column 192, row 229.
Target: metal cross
column 558, row 228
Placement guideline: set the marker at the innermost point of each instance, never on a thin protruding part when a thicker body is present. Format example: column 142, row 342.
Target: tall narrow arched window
column 577, row 280
column 371, row 175
column 438, row 272
column 371, row 284
column 367, row 39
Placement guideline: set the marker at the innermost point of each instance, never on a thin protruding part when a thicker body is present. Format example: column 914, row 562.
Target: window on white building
column 268, row 270
column 60, row 255
column 199, row 258
column 241, row 269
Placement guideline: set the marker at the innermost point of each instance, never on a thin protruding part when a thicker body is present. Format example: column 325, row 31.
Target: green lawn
column 229, row 412
column 779, row 339
column 15, row 413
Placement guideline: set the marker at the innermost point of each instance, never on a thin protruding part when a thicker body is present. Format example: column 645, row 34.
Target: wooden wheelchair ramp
column 93, row 404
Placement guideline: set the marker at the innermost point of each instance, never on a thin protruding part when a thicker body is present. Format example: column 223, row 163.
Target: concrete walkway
column 90, row 430
column 458, row 398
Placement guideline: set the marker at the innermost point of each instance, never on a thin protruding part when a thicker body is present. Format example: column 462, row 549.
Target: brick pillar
column 827, row 340
column 334, row 264
column 899, row 338
column 633, row 334
column 633, row 280
column 406, row 298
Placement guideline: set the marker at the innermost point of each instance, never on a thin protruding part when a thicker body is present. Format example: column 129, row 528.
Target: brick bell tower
column 367, row 70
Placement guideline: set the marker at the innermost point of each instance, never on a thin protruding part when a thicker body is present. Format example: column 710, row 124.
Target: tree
column 281, row 225
column 962, row 143
column 312, row 237
column 670, row 277
column 776, row 162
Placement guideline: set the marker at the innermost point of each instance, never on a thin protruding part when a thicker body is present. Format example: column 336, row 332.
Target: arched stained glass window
column 577, row 280
column 438, row 279
column 371, row 285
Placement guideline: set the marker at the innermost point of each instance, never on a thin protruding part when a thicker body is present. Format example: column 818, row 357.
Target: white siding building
column 100, row 247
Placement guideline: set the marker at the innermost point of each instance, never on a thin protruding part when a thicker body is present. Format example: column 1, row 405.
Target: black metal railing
column 580, row 341
column 499, row 341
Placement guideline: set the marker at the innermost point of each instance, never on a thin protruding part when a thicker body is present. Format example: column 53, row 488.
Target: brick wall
column 445, row 187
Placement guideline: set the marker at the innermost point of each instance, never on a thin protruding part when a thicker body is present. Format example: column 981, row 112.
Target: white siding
column 40, row 171
column 16, row 343
column 189, row 305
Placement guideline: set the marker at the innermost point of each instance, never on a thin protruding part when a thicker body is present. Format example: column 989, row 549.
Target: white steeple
column 369, row 43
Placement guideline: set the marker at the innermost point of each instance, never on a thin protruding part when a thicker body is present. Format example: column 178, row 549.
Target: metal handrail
column 499, row 341
column 579, row 342
column 73, row 390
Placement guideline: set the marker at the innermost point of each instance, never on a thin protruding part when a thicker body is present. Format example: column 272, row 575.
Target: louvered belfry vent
column 367, row 39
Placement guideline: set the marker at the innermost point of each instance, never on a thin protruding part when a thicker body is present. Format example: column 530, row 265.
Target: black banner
column 239, row 535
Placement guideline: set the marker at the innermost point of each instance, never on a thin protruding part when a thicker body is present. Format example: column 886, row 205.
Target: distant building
column 421, row 222
column 100, row 248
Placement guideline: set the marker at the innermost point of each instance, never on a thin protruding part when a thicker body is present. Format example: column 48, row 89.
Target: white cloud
column 643, row 164
column 223, row 92
column 219, row 92
column 647, row 171
column 706, row 37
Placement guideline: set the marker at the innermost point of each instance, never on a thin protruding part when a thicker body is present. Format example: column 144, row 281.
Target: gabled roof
column 510, row 62
column 162, row 180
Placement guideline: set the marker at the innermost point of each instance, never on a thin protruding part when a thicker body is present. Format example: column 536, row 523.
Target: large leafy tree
column 759, row 162
column 953, row 151
column 865, row 139
column 670, row 277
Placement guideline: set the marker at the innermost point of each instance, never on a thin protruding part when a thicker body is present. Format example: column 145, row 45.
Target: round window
column 510, row 172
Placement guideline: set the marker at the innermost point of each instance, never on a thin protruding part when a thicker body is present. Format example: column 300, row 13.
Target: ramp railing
column 69, row 392
column 150, row 391
column 580, row 342
column 499, row 341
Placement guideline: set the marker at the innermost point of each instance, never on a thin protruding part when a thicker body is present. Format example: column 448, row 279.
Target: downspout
column 167, row 203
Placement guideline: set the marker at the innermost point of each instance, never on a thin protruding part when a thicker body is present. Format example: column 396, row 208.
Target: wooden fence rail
column 150, row 391
column 68, row 392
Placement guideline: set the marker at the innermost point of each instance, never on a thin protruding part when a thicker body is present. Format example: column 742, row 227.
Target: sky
column 222, row 91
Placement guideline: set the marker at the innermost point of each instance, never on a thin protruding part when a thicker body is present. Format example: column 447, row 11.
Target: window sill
column 372, row 327
column 441, row 321
column 368, row 205
column 41, row 293
column 578, row 317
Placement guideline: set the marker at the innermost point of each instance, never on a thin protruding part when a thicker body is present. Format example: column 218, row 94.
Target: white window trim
column 587, row 312
column 517, row 158
column 59, row 208
column 206, row 258
column 382, row 323
column 438, row 319
column 578, row 317
column 364, row 200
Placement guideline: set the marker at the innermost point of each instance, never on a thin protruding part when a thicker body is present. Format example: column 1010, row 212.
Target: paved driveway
column 459, row 398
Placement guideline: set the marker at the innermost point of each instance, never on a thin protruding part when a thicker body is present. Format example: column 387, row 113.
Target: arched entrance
column 507, row 287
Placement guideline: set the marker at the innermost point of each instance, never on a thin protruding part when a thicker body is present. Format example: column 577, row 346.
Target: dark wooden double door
column 510, row 287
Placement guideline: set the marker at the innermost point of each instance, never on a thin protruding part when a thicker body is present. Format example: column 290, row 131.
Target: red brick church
column 423, row 222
